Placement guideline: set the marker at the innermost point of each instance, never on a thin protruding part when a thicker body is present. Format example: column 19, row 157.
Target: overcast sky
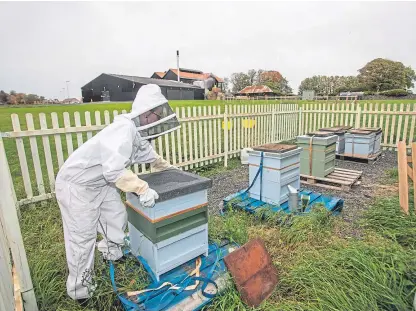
column 45, row 44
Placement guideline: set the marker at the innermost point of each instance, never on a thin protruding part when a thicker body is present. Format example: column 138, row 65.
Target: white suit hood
column 148, row 97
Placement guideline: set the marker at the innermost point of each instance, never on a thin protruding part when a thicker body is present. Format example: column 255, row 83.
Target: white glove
column 148, row 198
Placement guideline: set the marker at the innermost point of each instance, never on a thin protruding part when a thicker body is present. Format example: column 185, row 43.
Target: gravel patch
column 373, row 184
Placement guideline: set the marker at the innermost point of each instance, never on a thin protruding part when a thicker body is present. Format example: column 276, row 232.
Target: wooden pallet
column 357, row 158
column 340, row 179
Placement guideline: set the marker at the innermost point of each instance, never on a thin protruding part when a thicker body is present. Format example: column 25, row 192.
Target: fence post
column 300, row 121
column 273, row 124
column 403, row 182
column 8, row 211
column 226, row 136
column 358, row 117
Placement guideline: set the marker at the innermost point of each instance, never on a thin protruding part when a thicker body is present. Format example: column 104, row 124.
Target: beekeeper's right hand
column 148, row 198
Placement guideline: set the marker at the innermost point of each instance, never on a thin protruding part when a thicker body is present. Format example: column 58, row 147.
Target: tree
column 239, row 80
column 274, row 80
column 270, row 78
column 3, row 97
column 252, row 76
column 329, row 85
column 11, row 100
column 383, row 74
column 31, row 98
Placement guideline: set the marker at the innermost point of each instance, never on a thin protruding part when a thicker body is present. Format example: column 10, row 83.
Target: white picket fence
column 37, row 149
column 397, row 121
column 208, row 135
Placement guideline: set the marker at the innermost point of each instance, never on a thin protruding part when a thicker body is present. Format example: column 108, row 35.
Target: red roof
column 254, row 89
column 161, row 74
column 195, row 76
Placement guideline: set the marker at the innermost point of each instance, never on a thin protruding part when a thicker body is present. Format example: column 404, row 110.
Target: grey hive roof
column 159, row 82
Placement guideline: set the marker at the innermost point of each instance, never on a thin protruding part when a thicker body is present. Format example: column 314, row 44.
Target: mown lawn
column 6, row 124
column 324, row 262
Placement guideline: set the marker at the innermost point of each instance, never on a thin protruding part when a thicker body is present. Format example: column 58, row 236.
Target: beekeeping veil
column 152, row 114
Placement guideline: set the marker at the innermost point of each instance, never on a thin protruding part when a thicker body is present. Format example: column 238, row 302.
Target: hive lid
column 371, row 129
column 173, row 183
column 340, row 129
column 320, row 134
column 360, row 131
column 275, row 148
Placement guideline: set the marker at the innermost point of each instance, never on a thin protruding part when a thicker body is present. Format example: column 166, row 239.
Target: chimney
column 177, row 65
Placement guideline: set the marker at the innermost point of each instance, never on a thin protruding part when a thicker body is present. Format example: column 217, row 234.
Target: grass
column 6, row 111
column 318, row 269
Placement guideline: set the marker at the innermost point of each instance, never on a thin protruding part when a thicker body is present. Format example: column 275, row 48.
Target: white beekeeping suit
column 86, row 185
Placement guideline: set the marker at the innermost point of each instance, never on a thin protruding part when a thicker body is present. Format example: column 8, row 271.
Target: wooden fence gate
column 405, row 172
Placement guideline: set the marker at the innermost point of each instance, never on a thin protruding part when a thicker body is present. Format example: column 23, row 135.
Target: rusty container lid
column 253, row 272
column 275, row 148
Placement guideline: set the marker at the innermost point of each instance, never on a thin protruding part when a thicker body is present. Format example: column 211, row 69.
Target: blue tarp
column 212, row 267
column 241, row 200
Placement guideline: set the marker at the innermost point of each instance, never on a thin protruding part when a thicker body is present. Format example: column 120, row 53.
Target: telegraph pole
column 67, row 88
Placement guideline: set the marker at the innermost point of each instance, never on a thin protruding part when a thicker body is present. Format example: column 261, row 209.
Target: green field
column 5, row 112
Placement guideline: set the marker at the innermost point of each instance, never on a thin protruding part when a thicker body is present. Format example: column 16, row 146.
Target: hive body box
column 322, row 145
column 175, row 230
column 360, row 142
column 280, row 168
column 377, row 138
column 340, row 132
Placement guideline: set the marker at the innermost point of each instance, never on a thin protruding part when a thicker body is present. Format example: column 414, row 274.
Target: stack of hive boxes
column 175, row 230
column 280, row 169
column 318, row 153
column 340, row 132
column 363, row 142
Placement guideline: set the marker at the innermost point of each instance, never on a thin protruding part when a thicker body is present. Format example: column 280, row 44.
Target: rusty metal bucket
column 253, row 272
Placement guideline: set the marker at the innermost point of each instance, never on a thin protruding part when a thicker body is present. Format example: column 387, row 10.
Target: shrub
column 395, row 93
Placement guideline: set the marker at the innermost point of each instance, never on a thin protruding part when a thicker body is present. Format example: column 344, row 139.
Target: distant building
column 71, row 101
column 308, row 95
column 256, row 90
column 158, row 75
column 113, row 87
column 351, row 95
column 189, row 76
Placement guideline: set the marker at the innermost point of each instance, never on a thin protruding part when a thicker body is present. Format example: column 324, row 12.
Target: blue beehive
column 175, row 230
column 281, row 168
column 359, row 143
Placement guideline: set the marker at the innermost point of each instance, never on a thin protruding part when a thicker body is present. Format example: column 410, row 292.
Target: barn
column 113, row 87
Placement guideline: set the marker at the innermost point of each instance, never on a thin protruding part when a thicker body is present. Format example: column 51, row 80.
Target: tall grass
column 386, row 218
column 318, row 269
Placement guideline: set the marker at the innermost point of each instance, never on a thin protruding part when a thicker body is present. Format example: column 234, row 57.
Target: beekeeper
column 87, row 183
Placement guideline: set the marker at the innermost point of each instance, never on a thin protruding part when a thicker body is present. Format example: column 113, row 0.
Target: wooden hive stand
column 370, row 159
column 339, row 179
